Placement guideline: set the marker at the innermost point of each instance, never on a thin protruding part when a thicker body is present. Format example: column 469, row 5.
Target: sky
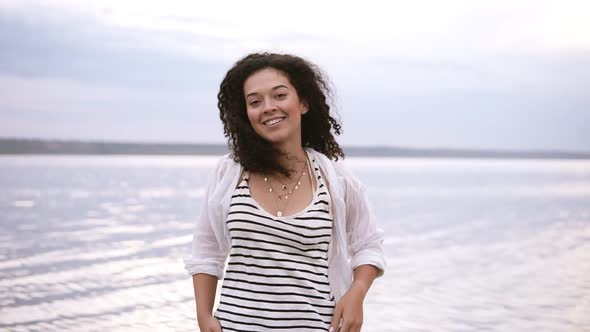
column 508, row 75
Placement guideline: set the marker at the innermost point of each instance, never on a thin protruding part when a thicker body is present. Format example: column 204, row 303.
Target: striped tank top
column 277, row 274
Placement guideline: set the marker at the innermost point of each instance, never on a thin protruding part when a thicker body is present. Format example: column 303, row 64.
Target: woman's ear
column 304, row 107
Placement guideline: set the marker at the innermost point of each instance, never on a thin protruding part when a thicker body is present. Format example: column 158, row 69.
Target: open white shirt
column 356, row 239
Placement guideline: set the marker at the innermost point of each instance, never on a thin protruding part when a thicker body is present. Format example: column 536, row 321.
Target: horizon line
column 14, row 145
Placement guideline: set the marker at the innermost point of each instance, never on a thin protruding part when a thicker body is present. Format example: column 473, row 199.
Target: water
column 95, row 243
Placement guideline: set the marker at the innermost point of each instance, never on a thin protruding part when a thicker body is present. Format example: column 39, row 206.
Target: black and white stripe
column 277, row 274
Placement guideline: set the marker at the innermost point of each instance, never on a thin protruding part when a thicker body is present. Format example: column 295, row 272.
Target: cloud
column 446, row 73
column 70, row 48
column 67, row 96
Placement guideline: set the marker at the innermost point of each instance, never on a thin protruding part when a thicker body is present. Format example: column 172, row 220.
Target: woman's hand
column 209, row 324
column 350, row 307
column 350, row 310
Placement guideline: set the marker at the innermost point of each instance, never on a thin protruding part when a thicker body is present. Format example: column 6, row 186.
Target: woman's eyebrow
column 276, row 87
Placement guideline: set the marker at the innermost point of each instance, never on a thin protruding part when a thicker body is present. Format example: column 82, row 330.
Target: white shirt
column 356, row 239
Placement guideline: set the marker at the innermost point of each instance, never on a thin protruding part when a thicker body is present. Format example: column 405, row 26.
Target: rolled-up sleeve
column 365, row 238
column 208, row 253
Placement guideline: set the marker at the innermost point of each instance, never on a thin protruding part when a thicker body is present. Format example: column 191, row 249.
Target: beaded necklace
column 284, row 196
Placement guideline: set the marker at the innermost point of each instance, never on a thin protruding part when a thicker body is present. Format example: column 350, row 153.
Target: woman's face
column 274, row 108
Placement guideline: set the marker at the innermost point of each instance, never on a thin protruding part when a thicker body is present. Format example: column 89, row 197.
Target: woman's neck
column 293, row 160
column 291, row 156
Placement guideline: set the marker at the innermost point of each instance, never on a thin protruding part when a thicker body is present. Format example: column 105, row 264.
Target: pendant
column 279, row 213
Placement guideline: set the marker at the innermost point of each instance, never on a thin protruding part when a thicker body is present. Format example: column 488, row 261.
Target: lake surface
column 95, row 243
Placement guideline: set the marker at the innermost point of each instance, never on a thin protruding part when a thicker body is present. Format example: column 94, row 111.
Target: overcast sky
column 459, row 74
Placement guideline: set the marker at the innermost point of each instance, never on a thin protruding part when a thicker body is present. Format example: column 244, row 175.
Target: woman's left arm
column 350, row 306
column 365, row 249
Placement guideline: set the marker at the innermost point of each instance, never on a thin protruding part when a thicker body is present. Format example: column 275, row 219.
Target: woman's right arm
column 209, row 252
column 205, row 287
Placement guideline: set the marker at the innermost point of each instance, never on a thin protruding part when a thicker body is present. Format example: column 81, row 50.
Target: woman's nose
column 269, row 105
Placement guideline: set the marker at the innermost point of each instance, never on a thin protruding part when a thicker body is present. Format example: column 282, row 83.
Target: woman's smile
column 274, row 121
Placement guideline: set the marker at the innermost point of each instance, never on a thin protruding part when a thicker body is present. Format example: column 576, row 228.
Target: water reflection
column 95, row 243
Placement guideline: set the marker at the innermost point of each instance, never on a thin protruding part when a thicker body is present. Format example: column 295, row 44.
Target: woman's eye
column 254, row 102
column 281, row 95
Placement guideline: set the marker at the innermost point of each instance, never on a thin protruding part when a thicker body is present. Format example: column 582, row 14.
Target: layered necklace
column 286, row 190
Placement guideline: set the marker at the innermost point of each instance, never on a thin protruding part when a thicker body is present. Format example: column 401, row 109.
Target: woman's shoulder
column 227, row 160
column 338, row 166
column 226, row 165
column 336, row 170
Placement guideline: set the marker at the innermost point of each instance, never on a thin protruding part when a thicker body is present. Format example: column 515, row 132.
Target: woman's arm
column 209, row 252
column 365, row 249
column 350, row 307
column 205, row 287
column 364, row 276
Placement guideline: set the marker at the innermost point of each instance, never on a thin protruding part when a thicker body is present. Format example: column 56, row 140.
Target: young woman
column 302, row 244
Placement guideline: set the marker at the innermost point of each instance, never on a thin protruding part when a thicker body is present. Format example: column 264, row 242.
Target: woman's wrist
column 202, row 317
column 204, row 314
column 361, row 287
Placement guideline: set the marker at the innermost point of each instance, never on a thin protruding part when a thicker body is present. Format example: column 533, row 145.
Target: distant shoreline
column 20, row 146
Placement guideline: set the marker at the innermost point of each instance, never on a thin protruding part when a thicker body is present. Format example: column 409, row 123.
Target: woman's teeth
column 273, row 121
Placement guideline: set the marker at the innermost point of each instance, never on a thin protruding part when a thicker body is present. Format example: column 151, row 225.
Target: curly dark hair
column 318, row 126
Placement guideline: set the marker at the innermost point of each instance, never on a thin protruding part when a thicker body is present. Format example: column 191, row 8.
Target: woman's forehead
column 264, row 80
